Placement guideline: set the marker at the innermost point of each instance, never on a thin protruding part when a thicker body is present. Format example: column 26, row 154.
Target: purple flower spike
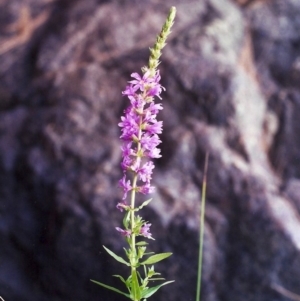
column 140, row 129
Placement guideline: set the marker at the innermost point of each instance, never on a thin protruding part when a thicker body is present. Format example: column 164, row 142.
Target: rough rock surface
column 232, row 73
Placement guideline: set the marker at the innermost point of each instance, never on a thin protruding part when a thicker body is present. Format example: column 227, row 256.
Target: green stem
column 132, row 217
column 134, row 261
column 201, row 235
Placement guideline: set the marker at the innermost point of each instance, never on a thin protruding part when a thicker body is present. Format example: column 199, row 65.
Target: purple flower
column 141, row 82
column 145, row 230
column 136, row 164
column 126, row 149
column 154, row 153
column 130, row 90
column 137, row 103
column 121, row 206
column 146, row 189
column 146, row 171
column 125, row 185
column 154, row 108
column 155, row 90
column 126, row 163
column 157, row 77
column 130, row 127
column 149, row 142
column 155, row 128
column 148, row 117
column 126, row 233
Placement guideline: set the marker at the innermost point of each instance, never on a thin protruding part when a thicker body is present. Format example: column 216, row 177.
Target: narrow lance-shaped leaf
column 150, row 291
column 143, row 205
column 120, row 277
column 111, row 288
column 141, row 243
column 156, row 258
column 115, row 256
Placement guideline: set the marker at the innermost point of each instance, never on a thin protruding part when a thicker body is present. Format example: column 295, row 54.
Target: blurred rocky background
column 232, row 75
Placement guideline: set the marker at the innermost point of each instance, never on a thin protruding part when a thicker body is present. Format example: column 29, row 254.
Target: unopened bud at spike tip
column 160, row 43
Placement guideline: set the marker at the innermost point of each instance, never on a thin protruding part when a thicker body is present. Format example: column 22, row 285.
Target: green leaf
column 143, row 205
column 156, row 258
column 139, row 276
column 120, row 277
column 150, row 291
column 111, row 288
column 126, row 219
column 126, row 252
column 115, row 256
column 141, row 252
column 141, row 243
